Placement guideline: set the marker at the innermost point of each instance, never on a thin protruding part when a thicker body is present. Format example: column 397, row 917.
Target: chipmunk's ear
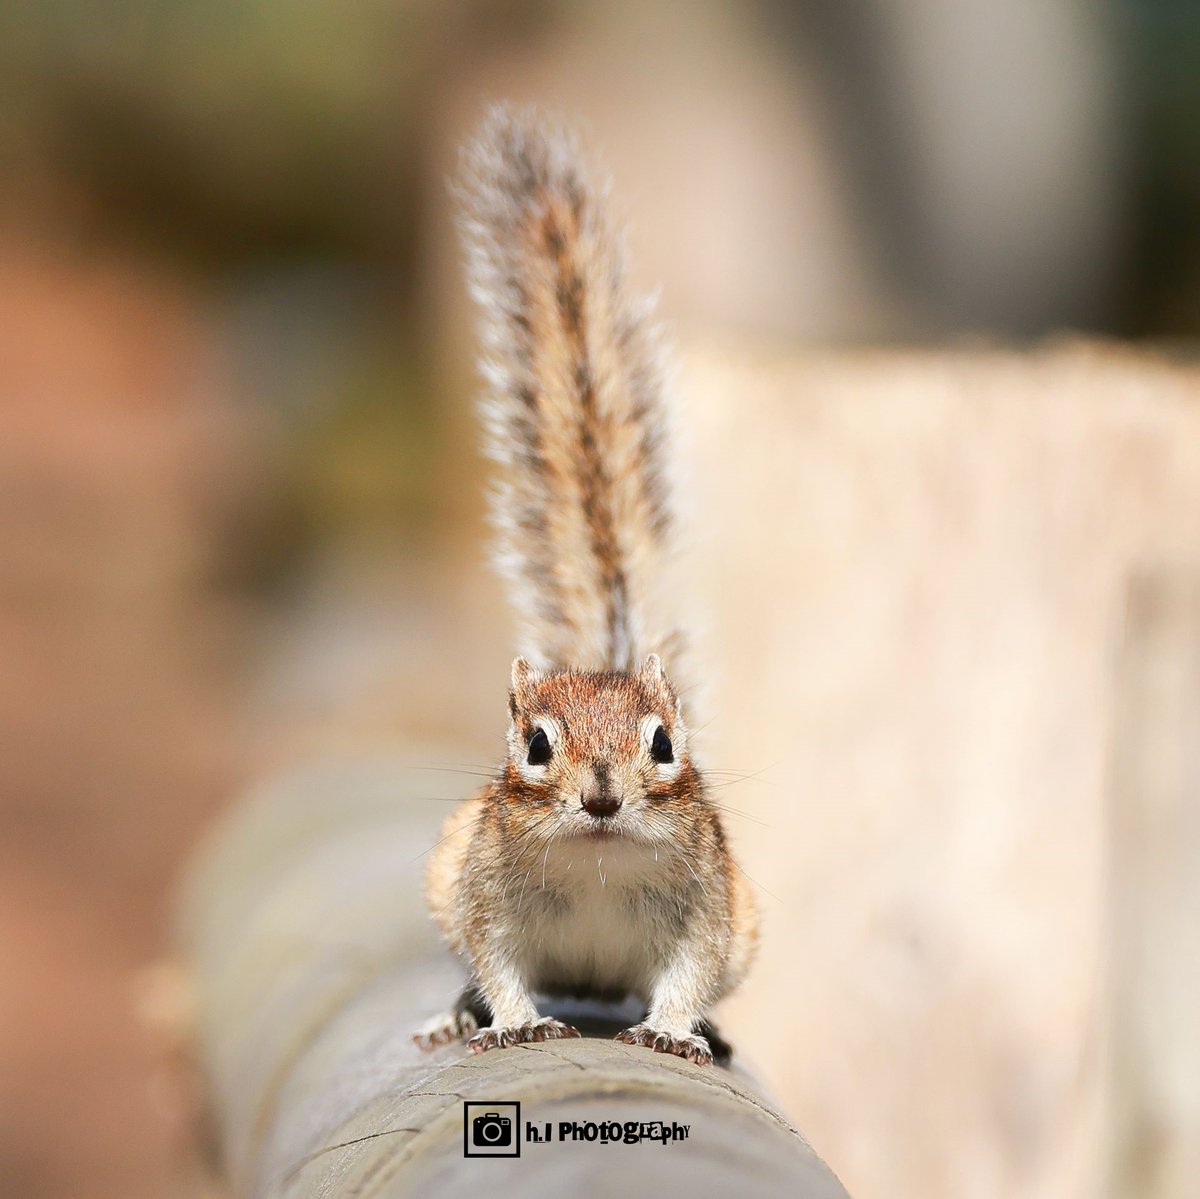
column 523, row 675
column 652, row 671
column 655, row 676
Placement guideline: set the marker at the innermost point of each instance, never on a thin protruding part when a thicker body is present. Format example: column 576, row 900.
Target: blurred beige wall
column 914, row 568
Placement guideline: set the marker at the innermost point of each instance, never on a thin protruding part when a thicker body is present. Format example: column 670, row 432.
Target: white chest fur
column 600, row 917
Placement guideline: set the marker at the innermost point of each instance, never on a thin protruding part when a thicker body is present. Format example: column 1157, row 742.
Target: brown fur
column 574, row 403
column 603, row 870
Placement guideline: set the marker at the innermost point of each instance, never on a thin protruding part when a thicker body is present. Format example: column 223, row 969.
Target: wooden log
column 313, row 961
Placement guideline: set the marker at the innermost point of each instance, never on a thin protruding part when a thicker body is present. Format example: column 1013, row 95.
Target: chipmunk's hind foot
column 443, row 1029
column 545, row 1029
column 470, row 1011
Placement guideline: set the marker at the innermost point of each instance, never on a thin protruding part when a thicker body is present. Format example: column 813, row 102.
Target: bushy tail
column 573, row 403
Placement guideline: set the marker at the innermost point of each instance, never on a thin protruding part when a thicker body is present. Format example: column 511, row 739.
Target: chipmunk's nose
column 597, row 796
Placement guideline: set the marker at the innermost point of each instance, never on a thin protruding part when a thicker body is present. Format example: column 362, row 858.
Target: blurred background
column 934, row 269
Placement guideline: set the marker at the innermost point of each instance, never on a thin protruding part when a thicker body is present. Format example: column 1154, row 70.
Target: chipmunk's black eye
column 660, row 747
column 539, row 748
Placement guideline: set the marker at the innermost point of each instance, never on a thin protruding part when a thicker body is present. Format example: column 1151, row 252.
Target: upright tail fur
column 573, row 402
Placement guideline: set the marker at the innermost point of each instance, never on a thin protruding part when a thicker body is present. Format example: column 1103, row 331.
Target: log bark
column 313, row 961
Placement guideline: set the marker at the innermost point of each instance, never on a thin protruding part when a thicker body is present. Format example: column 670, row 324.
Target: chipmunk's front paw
column 692, row 1047
column 441, row 1030
column 545, row 1029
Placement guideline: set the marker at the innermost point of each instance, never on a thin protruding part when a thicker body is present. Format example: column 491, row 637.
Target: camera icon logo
column 491, row 1129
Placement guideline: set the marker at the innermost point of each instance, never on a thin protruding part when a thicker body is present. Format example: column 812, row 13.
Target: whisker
column 452, row 833
column 736, row 812
column 703, row 888
column 437, row 798
column 757, row 883
column 524, row 884
column 471, row 771
column 744, row 775
column 724, row 784
column 523, row 843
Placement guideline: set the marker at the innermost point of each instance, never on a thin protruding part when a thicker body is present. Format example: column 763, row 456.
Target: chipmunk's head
column 607, row 750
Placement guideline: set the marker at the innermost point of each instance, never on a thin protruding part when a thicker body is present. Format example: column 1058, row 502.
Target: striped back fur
column 573, row 401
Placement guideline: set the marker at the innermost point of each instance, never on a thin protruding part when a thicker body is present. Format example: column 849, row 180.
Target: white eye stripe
column 549, row 726
column 650, row 725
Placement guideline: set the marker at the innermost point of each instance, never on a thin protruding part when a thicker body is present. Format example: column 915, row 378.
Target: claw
column 546, row 1029
column 694, row 1048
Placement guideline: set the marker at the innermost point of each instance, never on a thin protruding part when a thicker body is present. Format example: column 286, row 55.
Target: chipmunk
column 594, row 863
